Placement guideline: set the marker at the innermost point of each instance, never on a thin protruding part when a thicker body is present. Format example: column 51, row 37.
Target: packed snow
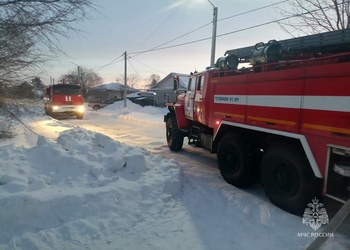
column 74, row 188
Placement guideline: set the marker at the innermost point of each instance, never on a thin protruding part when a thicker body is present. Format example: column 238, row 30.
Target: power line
column 132, row 79
column 147, row 65
column 134, row 68
column 111, row 62
column 229, row 33
column 158, row 47
column 253, row 10
column 270, row 22
column 240, row 14
column 154, row 48
column 163, row 23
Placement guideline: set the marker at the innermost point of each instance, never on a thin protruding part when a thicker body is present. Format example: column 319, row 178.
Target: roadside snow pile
column 136, row 113
column 82, row 188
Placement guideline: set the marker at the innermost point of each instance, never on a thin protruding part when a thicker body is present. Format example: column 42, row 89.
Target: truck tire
column 79, row 116
column 46, row 110
column 238, row 161
column 288, row 179
column 96, row 107
column 174, row 136
column 51, row 113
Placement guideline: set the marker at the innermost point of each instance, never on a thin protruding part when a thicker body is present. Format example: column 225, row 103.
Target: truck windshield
column 66, row 89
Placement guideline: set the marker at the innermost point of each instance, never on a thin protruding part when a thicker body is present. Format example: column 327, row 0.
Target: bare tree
column 87, row 78
column 153, row 79
column 315, row 16
column 30, row 31
column 132, row 79
column 29, row 35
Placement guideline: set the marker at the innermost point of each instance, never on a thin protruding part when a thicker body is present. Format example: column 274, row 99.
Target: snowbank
column 82, row 188
column 133, row 112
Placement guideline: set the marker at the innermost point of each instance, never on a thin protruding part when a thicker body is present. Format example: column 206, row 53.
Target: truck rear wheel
column 238, row 161
column 288, row 179
column 174, row 136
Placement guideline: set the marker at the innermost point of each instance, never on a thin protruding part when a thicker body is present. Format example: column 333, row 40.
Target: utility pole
column 125, row 77
column 79, row 76
column 213, row 38
column 79, row 80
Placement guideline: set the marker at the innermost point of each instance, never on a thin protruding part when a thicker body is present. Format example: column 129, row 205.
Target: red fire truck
column 284, row 119
column 64, row 99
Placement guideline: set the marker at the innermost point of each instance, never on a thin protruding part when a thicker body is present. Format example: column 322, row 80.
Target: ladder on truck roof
column 329, row 42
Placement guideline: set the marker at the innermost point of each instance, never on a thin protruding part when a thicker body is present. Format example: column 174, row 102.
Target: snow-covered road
column 207, row 214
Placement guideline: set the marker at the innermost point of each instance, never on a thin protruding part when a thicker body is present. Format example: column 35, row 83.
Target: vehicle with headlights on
column 99, row 103
column 64, row 99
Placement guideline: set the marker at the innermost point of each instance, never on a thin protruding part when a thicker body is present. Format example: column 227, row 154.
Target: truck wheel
column 288, row 179
column 96, row 107
column 174, row 136
column 51, row 113
column 80, row 116
column 238, row 161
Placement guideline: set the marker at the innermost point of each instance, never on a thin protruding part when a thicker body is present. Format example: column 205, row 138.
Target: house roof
column 168, row 81
column 112, row 86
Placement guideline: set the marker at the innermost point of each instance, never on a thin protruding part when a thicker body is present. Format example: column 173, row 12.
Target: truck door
column 198, row 109
column 189, row 99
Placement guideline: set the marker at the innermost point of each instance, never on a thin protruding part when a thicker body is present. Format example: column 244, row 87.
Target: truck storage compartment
column 338, row 173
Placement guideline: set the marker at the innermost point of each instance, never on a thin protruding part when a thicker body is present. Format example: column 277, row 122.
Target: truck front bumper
column 68, row 109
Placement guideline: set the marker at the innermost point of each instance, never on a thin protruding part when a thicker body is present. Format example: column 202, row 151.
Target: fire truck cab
column 64, row 99
column 284, row 120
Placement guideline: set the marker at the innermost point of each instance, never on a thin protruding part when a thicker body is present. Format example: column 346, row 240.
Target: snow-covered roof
column 112, row 86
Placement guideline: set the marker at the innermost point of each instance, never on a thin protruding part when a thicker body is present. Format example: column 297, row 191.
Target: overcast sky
column 135, row 26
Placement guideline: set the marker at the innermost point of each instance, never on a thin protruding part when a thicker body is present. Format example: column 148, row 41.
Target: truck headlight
column 55, row 108
column 81, row 109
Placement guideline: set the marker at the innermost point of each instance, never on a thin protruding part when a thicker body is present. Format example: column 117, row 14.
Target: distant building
column 110, row 91
column 164, row 89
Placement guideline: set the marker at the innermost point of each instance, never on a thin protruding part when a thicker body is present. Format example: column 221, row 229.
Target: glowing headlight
column 55, row 108
column 81, row 109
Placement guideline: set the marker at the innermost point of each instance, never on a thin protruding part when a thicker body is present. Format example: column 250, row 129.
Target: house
column 164, row 89
column 110, row 91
